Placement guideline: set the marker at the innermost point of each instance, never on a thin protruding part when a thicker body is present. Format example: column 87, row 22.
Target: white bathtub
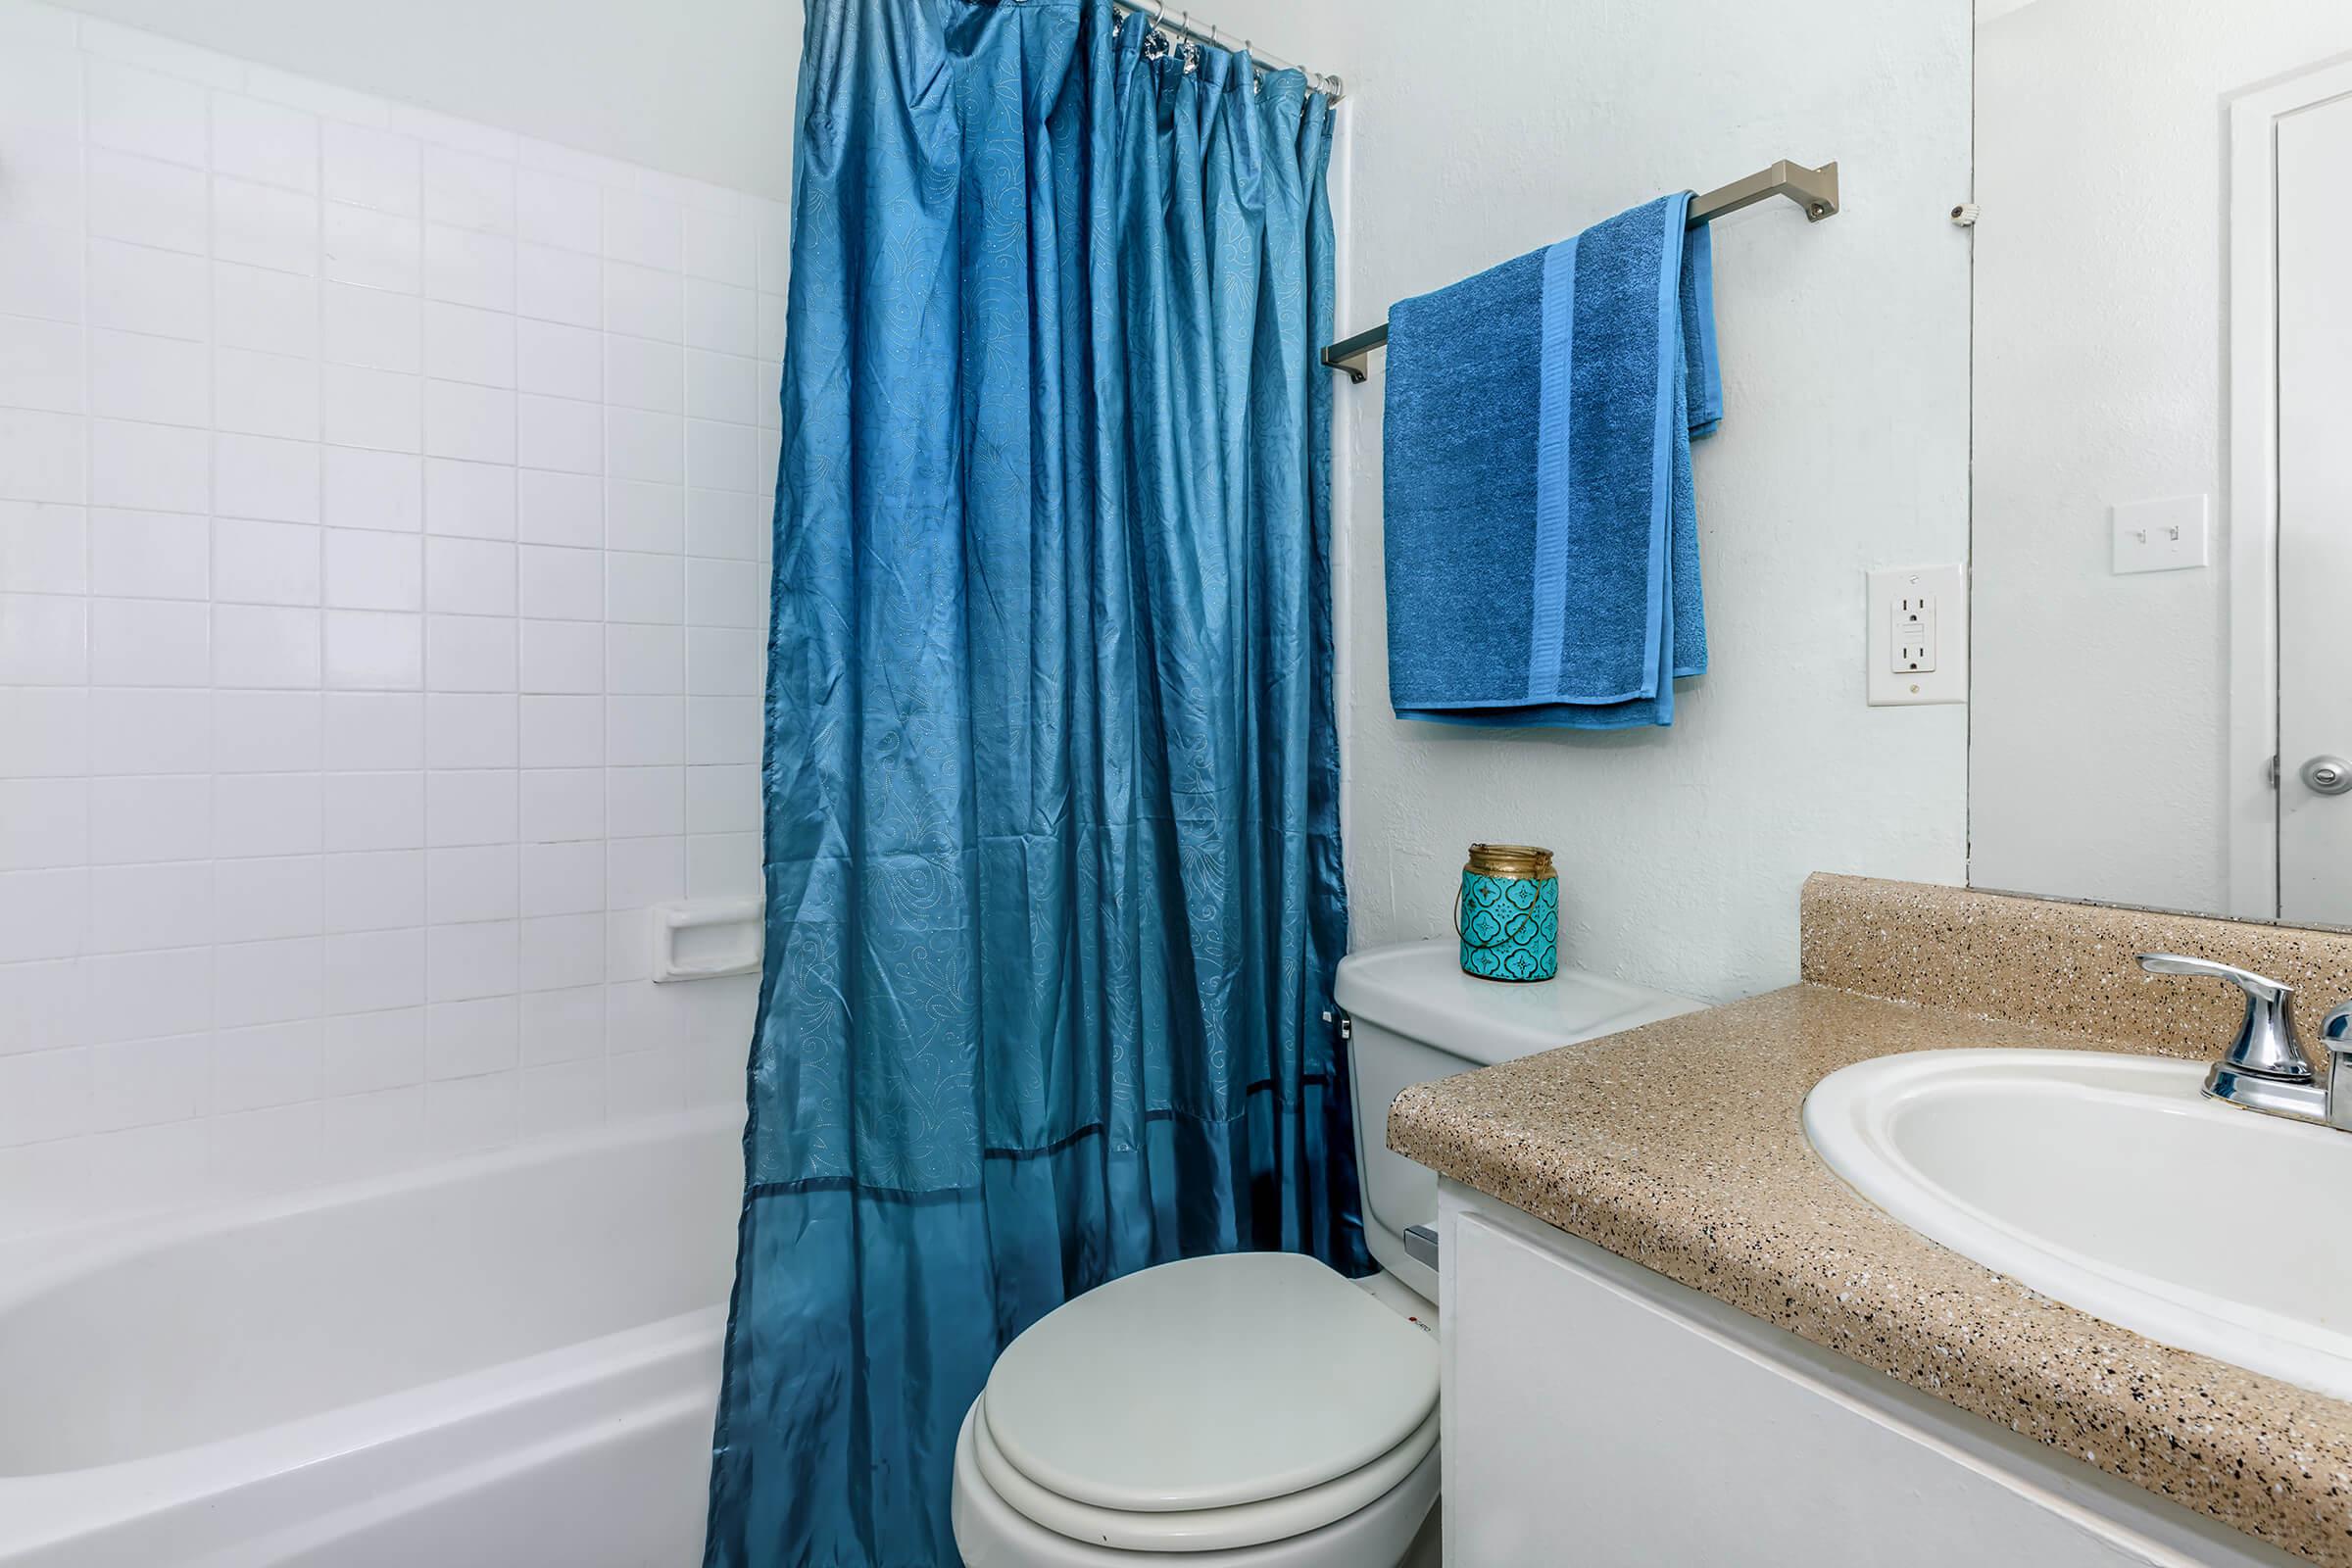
column 507, row 1361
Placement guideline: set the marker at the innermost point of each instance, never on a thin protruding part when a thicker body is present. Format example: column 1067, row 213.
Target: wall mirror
column 2162, row 515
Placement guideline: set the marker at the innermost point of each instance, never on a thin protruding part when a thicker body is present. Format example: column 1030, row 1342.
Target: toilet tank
column 1416, row 1016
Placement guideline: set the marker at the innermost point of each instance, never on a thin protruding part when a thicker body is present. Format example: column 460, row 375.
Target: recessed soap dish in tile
column 703, row 939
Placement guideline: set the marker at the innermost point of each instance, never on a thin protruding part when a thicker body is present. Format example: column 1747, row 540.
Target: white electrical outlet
column 1916, row 636
column 1914, row 632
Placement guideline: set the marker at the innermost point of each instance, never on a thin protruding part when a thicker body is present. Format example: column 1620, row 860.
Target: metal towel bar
column 1813, row 190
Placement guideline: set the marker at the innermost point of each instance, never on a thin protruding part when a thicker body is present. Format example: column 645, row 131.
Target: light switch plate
column 2163, row 535
column 1916, row 636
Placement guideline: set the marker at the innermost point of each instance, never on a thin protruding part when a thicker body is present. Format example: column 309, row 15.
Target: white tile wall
column 383, row 537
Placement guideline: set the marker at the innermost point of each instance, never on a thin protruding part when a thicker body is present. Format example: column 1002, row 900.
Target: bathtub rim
column 387, row 1441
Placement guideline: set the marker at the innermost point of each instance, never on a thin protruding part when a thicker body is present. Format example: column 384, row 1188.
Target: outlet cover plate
column 1945, row 589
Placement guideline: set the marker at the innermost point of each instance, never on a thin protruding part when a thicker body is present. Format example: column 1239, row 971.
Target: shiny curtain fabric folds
column 1053, row 861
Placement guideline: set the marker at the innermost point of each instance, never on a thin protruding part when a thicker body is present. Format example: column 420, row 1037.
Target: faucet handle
column 2254, row 985
column 2336, row 1029
column 2266, row 1045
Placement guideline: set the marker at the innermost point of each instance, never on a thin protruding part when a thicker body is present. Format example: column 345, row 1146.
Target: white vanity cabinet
column 1596, row 1414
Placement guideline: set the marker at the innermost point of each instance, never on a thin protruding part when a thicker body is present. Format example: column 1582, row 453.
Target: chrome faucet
column 2264, row 1068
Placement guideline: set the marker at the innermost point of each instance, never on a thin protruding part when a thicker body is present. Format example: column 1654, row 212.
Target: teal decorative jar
column 1508, row 914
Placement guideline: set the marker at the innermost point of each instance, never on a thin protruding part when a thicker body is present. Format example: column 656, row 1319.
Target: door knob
column 2327, row 775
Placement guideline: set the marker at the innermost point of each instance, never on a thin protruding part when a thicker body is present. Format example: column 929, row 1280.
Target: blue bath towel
column 1540, row 533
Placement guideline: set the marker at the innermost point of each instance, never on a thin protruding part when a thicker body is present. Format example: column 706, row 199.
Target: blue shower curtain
column 1052, row 782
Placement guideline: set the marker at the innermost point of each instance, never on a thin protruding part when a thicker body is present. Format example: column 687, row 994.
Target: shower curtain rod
column 1813, row 190
column 1207, row 33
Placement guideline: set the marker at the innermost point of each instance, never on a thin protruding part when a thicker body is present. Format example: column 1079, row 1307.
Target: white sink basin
column 2112, row 1184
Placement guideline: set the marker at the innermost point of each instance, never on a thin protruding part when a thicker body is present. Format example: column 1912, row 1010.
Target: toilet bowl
column 1254, row 1411
column 1257, row 1409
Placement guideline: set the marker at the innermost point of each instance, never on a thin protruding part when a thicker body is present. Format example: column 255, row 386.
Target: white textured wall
column 697, row 87
column 2100, row 739
column 1500, row 128
column 383, row 523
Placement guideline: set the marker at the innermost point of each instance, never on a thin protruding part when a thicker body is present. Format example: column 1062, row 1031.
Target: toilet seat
column 1392, row 1532
column 1244, row 1523
column 1209, row 1404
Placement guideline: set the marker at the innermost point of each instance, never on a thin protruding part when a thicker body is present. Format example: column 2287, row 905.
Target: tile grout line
column 327, row 940
column 211, row 622
column 428, row 971
column 89, row 480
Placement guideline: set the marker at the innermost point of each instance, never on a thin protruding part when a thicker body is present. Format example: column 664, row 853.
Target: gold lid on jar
column 1527, row 861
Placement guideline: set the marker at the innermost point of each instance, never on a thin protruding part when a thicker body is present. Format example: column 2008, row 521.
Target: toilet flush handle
column 1421, row 1244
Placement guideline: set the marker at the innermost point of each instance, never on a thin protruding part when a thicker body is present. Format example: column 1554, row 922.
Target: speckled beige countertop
column 1681, row 1146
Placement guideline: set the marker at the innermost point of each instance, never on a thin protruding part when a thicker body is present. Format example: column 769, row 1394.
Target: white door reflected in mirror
column 2314, row 503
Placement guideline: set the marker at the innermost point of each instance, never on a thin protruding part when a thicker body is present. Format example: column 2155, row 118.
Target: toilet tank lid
column 1417, row 989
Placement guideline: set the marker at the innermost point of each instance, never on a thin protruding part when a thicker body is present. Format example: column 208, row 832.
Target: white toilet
column 1257, row 1409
